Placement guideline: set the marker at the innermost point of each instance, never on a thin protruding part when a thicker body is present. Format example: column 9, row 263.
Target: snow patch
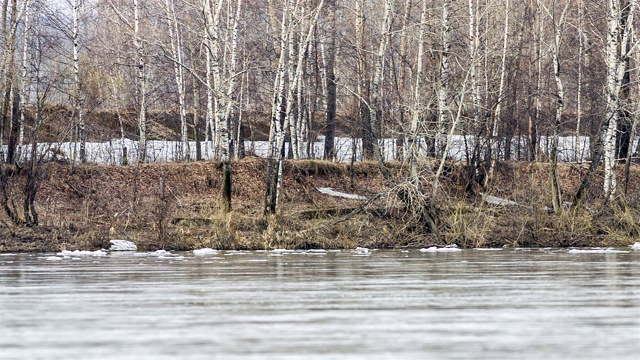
column 448, row 248
column 331, row 192
column 635, row 246
column 122, row 245
column 205, row 251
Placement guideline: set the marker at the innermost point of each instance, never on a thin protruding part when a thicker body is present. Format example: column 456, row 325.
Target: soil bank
column 177, row 207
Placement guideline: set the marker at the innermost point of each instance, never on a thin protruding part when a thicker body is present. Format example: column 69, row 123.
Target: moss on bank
column 177, row 207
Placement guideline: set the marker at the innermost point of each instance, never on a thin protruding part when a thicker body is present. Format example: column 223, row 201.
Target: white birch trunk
column 231, row 83
column 556, row 195
column 24, row 73
column 616, row 50
column 417, row 98
column 142, row 86
column 78, row 97
column 377, row 79
column 443, row 90
column 176, row 53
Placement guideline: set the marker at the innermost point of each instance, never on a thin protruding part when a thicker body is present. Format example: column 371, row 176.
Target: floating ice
column 157, row 253
column 53, row 258
column 362, row 250
column 122, row 245
column 283, row 251
column 596, row 251
column 448, row 248
column 205, row 251
column 635, row 246
column 331, row 192
column 79, row 253
column 316, row 251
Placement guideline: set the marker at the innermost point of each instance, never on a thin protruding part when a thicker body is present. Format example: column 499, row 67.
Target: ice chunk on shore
column 362, row 250
column 79, row 253
column 449, row 248
column 205, row 251
column 635, row 246
column 122, row 245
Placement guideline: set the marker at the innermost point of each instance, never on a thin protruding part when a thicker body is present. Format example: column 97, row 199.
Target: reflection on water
column 510, row 304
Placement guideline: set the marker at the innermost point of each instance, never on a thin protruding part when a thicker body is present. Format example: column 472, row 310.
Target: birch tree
column 78, row 95
column 557, row 32
column 375, row 86
column 443, row 91
column 616, row 49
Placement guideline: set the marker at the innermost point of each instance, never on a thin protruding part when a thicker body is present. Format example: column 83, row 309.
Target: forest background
column 512, row 77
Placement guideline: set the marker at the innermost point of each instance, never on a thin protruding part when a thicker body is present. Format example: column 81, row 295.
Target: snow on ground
column 635, row 246
column 331, row 192
column 110, row 152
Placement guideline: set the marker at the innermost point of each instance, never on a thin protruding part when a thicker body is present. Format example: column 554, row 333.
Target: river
column 503, row 304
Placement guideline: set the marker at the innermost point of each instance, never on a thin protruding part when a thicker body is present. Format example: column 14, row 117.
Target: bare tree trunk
column 24, row 79
column 375, row 86
column 362, row 86
column 605, row 146
column 141, row 90
column 578, row 150
column 417, row 96
column 274, row 155
column 503, row 69
column 556, row 195
column 176, row 53
column 330, row 60
column 78, row 96
column 616, row 50
column 196, row 118
column 443, row 91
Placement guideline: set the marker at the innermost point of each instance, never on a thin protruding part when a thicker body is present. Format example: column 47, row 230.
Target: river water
column 472, row 304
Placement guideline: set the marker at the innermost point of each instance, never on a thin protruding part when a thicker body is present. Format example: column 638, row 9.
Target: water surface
column 506, row 304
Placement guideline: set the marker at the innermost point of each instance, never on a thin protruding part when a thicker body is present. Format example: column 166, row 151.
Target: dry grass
column 177, row 206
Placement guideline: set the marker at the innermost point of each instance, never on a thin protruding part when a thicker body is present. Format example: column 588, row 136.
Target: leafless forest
column 289, row 71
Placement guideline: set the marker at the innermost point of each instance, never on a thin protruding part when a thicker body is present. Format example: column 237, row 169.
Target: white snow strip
column 331, row 192
column 596, row 251
column 79, row 253
column 635, row 246
column 205, row 251
column 122, row 245
column 433, row 249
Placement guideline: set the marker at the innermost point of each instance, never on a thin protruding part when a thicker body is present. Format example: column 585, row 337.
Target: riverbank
column 177, row 207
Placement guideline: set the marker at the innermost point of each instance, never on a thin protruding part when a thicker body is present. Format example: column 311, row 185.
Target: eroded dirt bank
column 177, row 207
